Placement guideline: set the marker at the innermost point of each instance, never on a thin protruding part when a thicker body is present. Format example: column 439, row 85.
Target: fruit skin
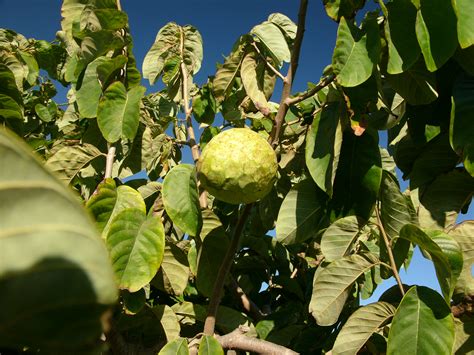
column 238, row 166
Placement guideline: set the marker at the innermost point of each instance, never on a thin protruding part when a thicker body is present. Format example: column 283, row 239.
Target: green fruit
column 238, row 166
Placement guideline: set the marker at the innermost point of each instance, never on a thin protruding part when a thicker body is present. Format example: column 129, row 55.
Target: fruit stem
column 218, row 289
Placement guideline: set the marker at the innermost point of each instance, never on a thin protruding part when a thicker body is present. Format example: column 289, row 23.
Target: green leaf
column 437, row 157
column 89, row 89
column 464, row 341
column 464, row 57
column 136, row 244
column 273, row 39
column 56, row 242
column 403, row 48
column 323, row 146
column 358, row 175
column 461, row 127
column 423, row 324
column 253, row 87
column 416, row 85
column 360, row 326
column 68, row 161
column 444, row 198
column 355, row 54
column 464, row 10
column 437, row 43
column 204, row 106
column 181, row 199
column 173, row 275
column 287, row 26
column 168, row 45
column 227, row 72
column 211, row 254
column 446, row 255
column 300, row 213
column 395, row 207
column 332, row 286
column 463, row 234
column 102, row 203
column 339, row 237
column 118, row 112
column 46, row 113
column 169, row 321
column 210, row 346
column 339, row 8
column 176, row 347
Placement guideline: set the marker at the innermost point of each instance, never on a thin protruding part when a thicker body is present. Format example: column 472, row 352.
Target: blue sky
column 220, row 24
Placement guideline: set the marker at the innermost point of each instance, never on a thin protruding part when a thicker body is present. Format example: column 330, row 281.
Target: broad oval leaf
column 272, row 38
column 465, row 13
column 136, row 244
column 336, row 9
column 68, row 161
column 360, row 326
column 169, row 321
column 119, row 111
column 403, row 48
column 176, row 347
column 287, row 26
column 446, row 255
column 210, row 346
column 464, row 236
column 54, row 248
column 253, row 87
column 300, row 213
column 323, row 146
column 174, row 271
column 461, row 128
column 338, row 238
column 181, row 199
column 437, row 46
column 102, row 202
column 394, row 206
column 423, row 324
column 355, row 54
column 332, row 286
column 358, row 175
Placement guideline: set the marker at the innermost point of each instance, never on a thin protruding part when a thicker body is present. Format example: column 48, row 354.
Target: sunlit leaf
column 210, row 346
column 437, row 45
column 338, row 238
column 168, row 320
column 181, row 199
column 360, row 326
column 272, row 38
column 423, row 324
column 56, row 242
column 68, row 161
column 299, row 213
column 332, row 286
column 176, row 347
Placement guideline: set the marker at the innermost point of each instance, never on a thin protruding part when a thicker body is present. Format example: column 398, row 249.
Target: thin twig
column 249, row 306
column 109, row 161
column 393, row 265
column 218, row 289
column 189, row 122
column 238, row 340
column 270, row 66
column 321, row 85
column 295, row 55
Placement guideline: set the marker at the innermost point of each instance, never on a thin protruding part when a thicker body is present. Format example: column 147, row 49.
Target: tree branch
column 321, row 85
column 249, row 306
column 109, row 163
column 393, row 265
column 218, row 289
column 238, row 340
column 189, row 122
column 295, row 55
